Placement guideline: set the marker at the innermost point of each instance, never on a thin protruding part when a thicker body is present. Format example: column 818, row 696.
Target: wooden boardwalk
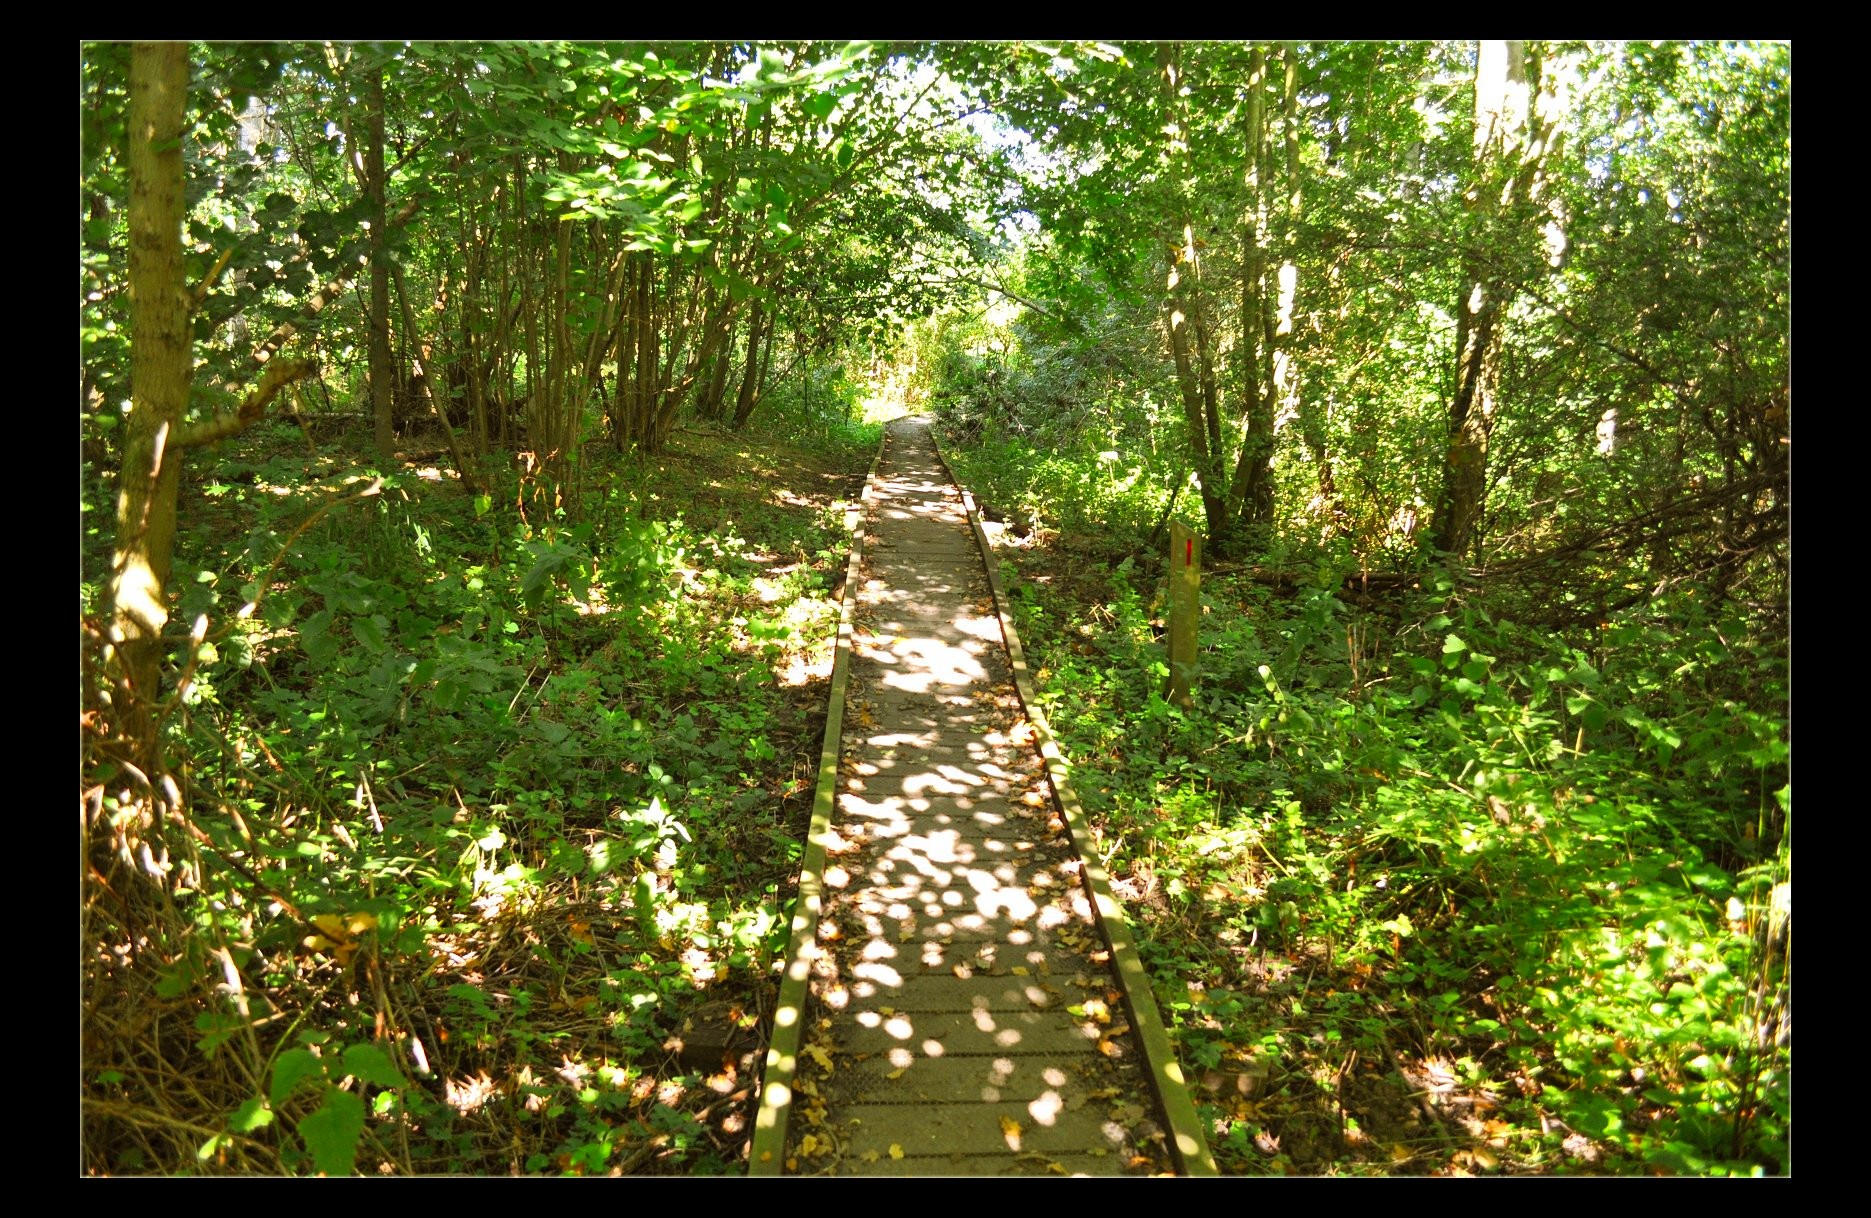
column 961, row 1014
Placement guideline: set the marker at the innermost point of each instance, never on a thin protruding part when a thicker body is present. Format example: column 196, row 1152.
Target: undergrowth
column 1427, row 891
column 480, row 820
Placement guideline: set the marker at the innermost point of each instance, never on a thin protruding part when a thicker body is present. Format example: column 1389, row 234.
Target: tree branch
column 277, row 377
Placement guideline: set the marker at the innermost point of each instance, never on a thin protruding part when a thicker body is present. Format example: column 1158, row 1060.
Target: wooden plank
column 1186, row 1139
column 768, row 1153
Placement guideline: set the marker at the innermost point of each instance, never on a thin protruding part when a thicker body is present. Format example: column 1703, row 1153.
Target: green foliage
column 1553, row 866
column 412, row 731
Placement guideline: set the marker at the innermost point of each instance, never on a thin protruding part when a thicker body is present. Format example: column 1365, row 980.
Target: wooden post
column 1185, row 607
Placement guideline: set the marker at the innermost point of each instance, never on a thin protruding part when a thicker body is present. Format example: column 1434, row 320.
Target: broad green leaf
column 331, row 1133
column 293, row 1065
column 252, row 1115
column 370, row 632
column 369, row 1064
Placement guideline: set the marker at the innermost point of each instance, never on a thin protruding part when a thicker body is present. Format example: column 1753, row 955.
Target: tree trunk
column 759, row 339
column 1501, row 98
column 382, row 371
column 1185, row 323
column 160, row 373
column 1252, row 491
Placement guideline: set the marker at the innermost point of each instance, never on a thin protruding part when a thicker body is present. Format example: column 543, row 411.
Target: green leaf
column 315, row 637
column 1452, row 645
column 369, row 1064
column 293, row 1065
column 331, row 1133
column 369, row 632
column 252, row 1115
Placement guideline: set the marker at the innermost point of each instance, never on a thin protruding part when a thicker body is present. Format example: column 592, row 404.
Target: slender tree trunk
column 160, row 374
column 1185, row 324
column 1252, row 496
column 423, row 383
column 759, row 330
column 1501, row 98
column 382, row 370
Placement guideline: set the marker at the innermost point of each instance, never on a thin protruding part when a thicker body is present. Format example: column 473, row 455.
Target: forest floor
column 512, row 808
column 520, row 804
column 1371, row 1104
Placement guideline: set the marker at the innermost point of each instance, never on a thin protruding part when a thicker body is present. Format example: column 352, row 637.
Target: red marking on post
column 1188, row 552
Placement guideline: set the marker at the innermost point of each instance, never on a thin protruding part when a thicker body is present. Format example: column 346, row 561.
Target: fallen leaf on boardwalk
column 963, row 971
column 1094, row 1008
column 1057, row 1169
column 898, row 1073
column 896, row 1150
column 1022, row 732
column 1108, row 1049
column 808, row 1144
column 870, row 1156
column 818, row 1054
column 1019, row 971
column 1010, row 1129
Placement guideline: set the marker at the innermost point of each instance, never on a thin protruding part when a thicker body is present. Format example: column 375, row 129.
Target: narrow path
column 964, row 1018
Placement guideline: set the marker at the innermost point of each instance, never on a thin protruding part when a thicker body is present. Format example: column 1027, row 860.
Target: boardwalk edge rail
column 1172, row 1090
column 767, row 1156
